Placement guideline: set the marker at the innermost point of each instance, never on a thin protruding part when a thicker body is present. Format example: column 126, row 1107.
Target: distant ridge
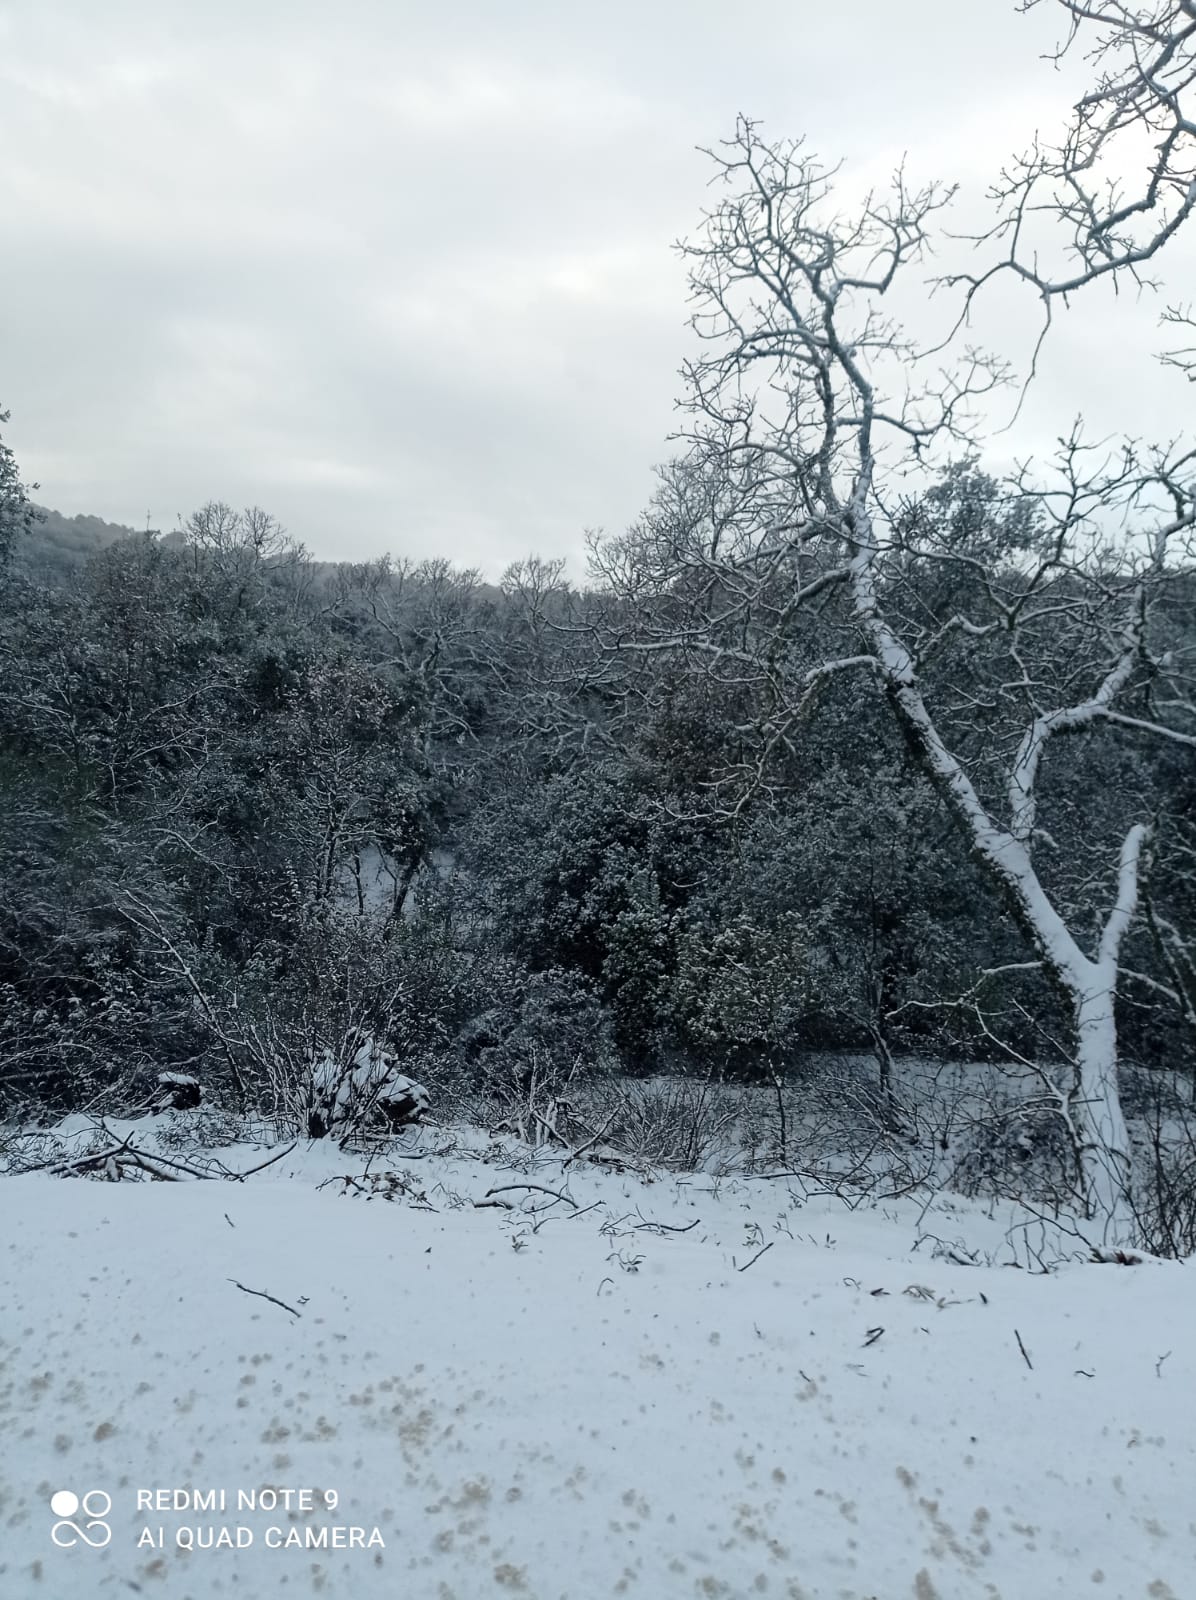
column 59, row 545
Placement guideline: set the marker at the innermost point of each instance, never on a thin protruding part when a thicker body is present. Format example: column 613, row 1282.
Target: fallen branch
column 143, row 1158
column 574, row 1155
column 346, row 1182
column 240, row 1177
column 262, row 1295
column 667, row 1227
column 505, row 1188
column 1022, row 1348
column 124, row 1155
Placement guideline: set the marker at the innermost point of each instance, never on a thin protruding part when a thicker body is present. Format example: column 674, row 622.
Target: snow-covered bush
column 349, row 1094
column 176, row 1091
column 362, row 1092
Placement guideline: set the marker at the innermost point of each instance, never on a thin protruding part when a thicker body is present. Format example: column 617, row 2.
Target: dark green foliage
column 592, row 872
column 254, row 812
column 18, row 515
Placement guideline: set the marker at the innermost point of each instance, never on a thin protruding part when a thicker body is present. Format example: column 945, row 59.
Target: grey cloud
column 402, row 273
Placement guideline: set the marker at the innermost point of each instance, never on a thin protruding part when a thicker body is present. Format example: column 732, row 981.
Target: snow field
column 565, row 1401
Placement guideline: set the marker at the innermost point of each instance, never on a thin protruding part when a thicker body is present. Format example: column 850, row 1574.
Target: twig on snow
column 756, row 1257
column 505, row 1188
column 262, row 1295
column 346, row 1182
column 666, row 1227
column 240, row 1177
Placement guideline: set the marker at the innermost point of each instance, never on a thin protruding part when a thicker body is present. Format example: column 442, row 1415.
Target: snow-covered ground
column 565, row 1399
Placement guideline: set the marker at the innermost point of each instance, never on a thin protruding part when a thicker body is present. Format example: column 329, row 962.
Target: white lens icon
column 95, row 1505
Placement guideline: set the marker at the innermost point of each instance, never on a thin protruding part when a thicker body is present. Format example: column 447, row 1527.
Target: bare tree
column 785, row 552
column 1104, row 200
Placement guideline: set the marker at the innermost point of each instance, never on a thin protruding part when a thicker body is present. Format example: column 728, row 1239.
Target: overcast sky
column 402, row 273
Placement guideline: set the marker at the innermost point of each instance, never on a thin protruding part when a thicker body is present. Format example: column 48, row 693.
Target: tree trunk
column 1098, row 1125
column 1102, row 1138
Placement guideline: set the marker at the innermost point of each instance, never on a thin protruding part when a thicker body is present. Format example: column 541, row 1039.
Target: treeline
column 255, row 811
column 64, row 544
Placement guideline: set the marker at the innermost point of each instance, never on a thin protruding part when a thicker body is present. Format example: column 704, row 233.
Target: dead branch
column 240, row 1177
column 575, row 1155
column 665, row 1227
column 756, row 1257
column 262, row 1295
column 539, row 1188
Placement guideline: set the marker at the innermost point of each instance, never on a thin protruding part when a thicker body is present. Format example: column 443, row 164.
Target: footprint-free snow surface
column 573, row 1397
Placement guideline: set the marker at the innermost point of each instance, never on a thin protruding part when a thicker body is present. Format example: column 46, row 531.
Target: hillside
column 59, row 545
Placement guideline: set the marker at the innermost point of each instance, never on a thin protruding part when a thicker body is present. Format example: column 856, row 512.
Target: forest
column 262, row 813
